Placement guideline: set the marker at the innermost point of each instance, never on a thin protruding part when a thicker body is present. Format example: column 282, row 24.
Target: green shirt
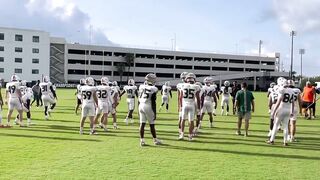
column 244, row 98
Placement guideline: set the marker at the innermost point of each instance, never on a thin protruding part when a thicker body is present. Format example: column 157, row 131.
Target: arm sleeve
column 53, row 91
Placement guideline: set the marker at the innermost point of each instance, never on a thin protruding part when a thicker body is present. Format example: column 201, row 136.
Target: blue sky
column 229, row 26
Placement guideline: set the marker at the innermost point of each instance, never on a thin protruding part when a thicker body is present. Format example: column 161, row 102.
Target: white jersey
column 270, row 89
column 288, row 98
column 28, row 94
column 103, row 93
column 165, row 90
column 208, row 92
column 296, row 92
column 114, row 91
column 87, row 94
column 45, row 88
column 146, row 92
column 79, row 91
column 131, row 91
column 179, row 86
column 23, row 89
column 189, row 93
column 275, row 93
column 226, row 92
column 13, row 88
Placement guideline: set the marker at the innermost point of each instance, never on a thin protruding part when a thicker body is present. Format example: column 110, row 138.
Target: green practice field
column 54, row 149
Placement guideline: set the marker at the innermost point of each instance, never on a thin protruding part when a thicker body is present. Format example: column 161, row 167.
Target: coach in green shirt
column 245, row 105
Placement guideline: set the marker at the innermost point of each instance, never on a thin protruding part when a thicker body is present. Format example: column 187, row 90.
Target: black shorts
column 306, row 104
column 79, row 101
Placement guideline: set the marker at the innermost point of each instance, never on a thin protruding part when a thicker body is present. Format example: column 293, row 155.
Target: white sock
column 81, row 128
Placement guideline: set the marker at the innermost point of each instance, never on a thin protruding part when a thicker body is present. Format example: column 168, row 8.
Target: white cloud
column 300, row 15
column 59, row 17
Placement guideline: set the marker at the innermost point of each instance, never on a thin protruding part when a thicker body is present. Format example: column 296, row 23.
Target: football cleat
column 270, row 142
column 142, row 143
column 156, row 141
column 181, row 136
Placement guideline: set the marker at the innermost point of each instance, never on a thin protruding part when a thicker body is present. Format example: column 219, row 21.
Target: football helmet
column 291, row 83
column 89, row 81
column 114, row 83
column 131, row 82
column 272, row 84
column 167, row 83
column 82, row 81
column 151, row 78
column 183, row 75
column 15, row 78
column 226, row 83
column 45, row 79
column 104, row 80
column 190, row 77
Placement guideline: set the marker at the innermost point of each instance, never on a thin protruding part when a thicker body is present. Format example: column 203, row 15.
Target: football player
column 166, row 92
column 189, row 94
column 78, row 93
column 115, row 98
column 270, row 89
column 103, row 92
column 297, row 110
column 147, row 107
column 132, row 92
column 198, row 113
column 48, row 96
column 183, row 78
column 27, row 95
column 226, row 92
column 209, row 99
column 13, row 99
column 282, row 111
column 89, row 103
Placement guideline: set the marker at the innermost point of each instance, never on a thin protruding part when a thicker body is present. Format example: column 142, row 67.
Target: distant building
column 70, row 62
column 24, row 52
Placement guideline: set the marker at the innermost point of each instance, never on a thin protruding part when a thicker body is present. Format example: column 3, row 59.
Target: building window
column 1, row 70
column 1, row 48
column 35, row 61
column 18, row 60
column 19, row 37
column 1, row 59
column 18, row 49
column 18, row 71
column 35, row 71
column 77, row 71
column 35, row 39
column 1, row 36
column 35, row 50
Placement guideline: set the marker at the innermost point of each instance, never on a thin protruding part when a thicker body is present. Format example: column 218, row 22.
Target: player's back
column 165, row 90
column 45, row 88
column 226, row 91
column 208, row 91
column 146, row 92
column 87, row 93
column 103, row 93
column 114, row 92
column 189, row 93
column 296, row 92
column 13, row 88
column 288, row 98
column 130, row 90
column 79, row 91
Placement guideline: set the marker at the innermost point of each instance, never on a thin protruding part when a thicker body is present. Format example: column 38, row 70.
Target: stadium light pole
column 301, row 52
column 292, row 34
column 260, row 44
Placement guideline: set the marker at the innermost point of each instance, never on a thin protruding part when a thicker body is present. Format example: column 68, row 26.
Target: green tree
column 129, row 58
column 121, row 68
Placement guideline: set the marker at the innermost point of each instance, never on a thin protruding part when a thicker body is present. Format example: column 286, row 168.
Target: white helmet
column 190, row 77
column 45, row 79
column 23, row 83
column 280, row 80
column 151, row 78
column 207, row 80
column 89, row 81
column 131, row 82
column 104, row 80
column 167, row 83
column 29, row 90
column 183, row 75
column 226, row 83
column 82, row 81
column 284, row 83
column 199, row 84
column 291, row 83
column 15, row 78
column 272, row 84
column 114, row 83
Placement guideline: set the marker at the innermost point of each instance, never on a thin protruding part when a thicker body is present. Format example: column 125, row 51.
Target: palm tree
column 129, row 58
column 121, row 68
